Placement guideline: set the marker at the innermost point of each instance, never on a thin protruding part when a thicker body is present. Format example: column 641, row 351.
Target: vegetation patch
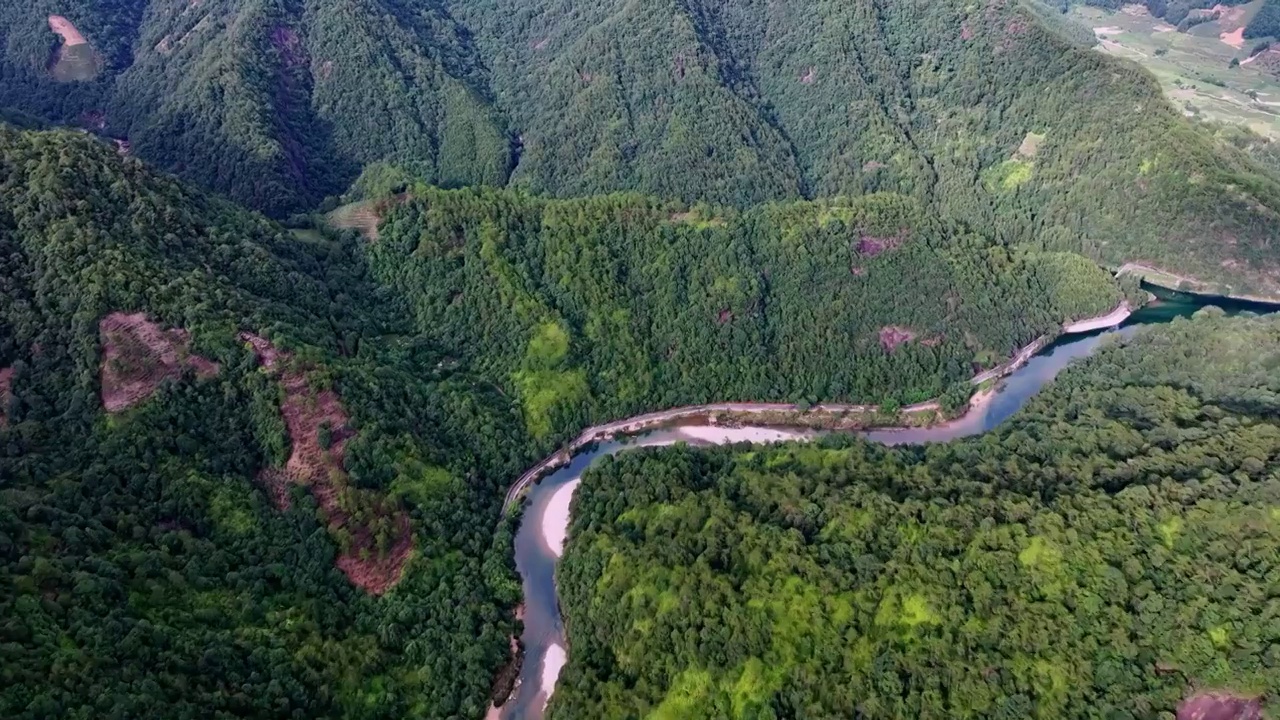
column 6, row 394
column 138, row 355
column 373, row 533
column 1008, row 175
column 894, row 336
column 1217, row 705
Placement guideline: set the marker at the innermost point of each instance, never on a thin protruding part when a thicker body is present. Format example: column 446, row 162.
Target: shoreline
column 829, row 416
column 779, row 421
column 1173, row 282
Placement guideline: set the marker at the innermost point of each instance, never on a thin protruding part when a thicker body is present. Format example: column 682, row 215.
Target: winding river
column 540, row 540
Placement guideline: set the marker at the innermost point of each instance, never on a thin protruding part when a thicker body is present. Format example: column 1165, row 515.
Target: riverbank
column 826, row 416
column 545, row 638
column 1174, row 282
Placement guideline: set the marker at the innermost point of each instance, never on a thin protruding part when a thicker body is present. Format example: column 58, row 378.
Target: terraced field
column 1194, row 67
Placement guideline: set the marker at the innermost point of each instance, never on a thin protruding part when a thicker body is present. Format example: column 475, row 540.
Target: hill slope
column 595, row 309
column 153, row 550
column 263, row 472
column 985, row 113
column 276, row 104
column 1111, row 551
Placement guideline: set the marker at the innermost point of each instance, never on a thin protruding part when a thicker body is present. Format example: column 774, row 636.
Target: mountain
column 994, row 114
column 276, row 104
column 1110, row 551
column 601, row 308
column 258, row 472
column 232, row 482
column 987, row 113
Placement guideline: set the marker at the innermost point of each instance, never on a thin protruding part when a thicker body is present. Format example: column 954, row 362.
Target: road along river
column 548, row 487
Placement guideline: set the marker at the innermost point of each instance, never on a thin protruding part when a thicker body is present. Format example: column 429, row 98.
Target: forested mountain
column 1110, row 552
column 276, row 104
column 601, row 308
column 984, row 113
column 143, row 570
column 257, row 472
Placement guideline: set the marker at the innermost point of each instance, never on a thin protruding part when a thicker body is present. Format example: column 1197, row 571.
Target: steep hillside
column 987, row 113
column 155, row 555
column 993, row 114
column 596, row 309
column 276, row 104
column 1111, row 552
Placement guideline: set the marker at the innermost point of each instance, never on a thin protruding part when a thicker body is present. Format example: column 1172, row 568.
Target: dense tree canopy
column 1266, row 23
column 994, row 114
column 1112, row 546
column 596, row 309
column 142, row 570
column 577, row 210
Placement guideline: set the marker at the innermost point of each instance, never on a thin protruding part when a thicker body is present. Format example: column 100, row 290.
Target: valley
column 939, row 336
column 551, row 484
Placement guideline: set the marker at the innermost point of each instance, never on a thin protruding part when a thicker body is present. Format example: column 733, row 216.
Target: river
column 541, row 537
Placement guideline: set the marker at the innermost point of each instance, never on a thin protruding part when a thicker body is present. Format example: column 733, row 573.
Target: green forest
column 994, row 115
column 292, row 291
column 1266, row 23
column 1111, row 547
column 142, row 570
column 479, row 330
column 597, row 309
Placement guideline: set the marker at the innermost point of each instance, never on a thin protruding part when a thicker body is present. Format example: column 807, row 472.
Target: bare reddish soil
column 6, row 389
column 1220, row 706
column 365, row 216
column 1234, row 38
column 375, row 536
column 138, row 355
column 68, row 32
column 809, row 76
column 871, row 246
column 285, row 40
column 893, row 336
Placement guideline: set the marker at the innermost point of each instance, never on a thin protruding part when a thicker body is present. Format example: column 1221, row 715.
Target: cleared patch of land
column 892, row 336
column 67, row 31
column 363, row 216
column 374, row 535
column 6, row 393
column 1194, row 67
column 138, row 355
column 74, row 60
column 1220, row 706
